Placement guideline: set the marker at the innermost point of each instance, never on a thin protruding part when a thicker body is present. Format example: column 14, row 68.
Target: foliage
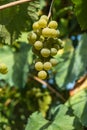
column 74, row 60
column 80, row 11
column 47, row 104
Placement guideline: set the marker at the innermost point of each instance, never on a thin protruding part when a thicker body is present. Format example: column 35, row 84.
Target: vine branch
column 49, row 14
column 13, row 4
column 50, row 88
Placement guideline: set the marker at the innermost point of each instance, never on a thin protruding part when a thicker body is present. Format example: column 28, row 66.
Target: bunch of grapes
column 45, row 45
column 3, row 68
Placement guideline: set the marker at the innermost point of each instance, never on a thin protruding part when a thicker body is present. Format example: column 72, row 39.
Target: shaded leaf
column 80, row 9
column 73, row 65
column 17, row 63
column 79, row 105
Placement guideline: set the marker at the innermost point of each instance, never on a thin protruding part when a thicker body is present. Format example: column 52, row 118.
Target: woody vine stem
column 13, row 4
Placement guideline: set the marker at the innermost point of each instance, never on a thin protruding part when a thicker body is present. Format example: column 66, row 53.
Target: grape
column 3, row 68
column 38, row 45
column 53, row 33
column 47, row 66
column 53, row 51
column 53, row 61
column 53, row 24
column 42, row 38
column 32, row 37
column 42, row 74
column 42, row 23
column 35, row 26
column 45, row 52
column 46, row 32
column 39, row 66
column 44, row 17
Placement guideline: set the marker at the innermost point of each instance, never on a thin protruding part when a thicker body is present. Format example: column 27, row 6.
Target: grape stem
column 49, row 87
column 13, row 4
column 50, row 10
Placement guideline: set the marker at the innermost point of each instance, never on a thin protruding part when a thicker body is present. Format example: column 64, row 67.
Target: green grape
column 39, row 66
column 45, row 52
column 32, row 37
column 42, row 74
column 46, row 32
column 53, row 51
column 53, row 24
column 3, row 68
column 42, row 23
column 47, row 65
column 53, row 61
column 42, row 38
column 38, row 45
column 47, row 99
column 44, row 17
column 53, row 33
column 38, row 94
column 38, row 32
column 35, row 26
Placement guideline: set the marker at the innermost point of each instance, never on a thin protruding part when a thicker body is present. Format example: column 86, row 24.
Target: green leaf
column 65, row 64
column 80, row 9
column 79, row 105
column 33, row 9
column 72, row 65
column 35, row 122
column 62, row 121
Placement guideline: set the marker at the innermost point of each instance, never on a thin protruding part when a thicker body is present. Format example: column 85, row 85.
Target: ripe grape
column 42, row 23
column 35, row 26
column 39, row 66
column 42, row 74
column 53, row 51
column 53, row 61
column 46, row 32
column 38, row 45
column 53, row 24
column 44, row 17
column 42, row 38
column 3, row 68
column 32, row 37
column 47, row 66
column 45, row 52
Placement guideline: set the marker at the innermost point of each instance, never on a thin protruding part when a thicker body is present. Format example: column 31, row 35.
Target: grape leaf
column 62, row 121
column 79, row 105
column 80, row 9
column 72, row 65
column 35, row 122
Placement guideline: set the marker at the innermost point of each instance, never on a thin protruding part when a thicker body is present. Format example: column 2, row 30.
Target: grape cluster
column 45, row 42
column 3, row 68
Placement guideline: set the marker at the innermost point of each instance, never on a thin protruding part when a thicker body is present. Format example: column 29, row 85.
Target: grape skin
column 45, row 52
column 42, row 74
column 38, row 45
column 47, row 66
column 39, row 66
column 53, row 24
